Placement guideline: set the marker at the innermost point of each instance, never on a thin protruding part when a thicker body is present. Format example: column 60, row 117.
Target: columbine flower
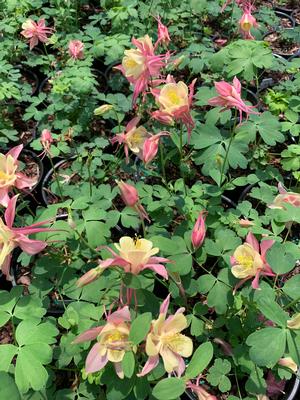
column 247, row 22
column 199, row 231
column 285, row 197
column 248, row 261
column 150, row 148
column 130, row 197
column 46, row 141
column 289, row 363
column 10, row 237
column 133, row 138
column 165, row 340
column 9, row 175
column 141, row 64
column 36, row 31
column 294, row 323
column 112, row 342
column 76, row 49
column 175, row 100
column 201, row 393
column 230, row 97
column 163, row 33
column 135, row 255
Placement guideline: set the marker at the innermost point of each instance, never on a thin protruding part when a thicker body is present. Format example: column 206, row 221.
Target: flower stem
column 56, row 177
column 162, row 162
column 228, row 148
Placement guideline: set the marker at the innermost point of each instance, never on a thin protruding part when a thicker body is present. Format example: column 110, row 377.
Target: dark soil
column 26, row 129
column 286, row 4
column 27, row 77
column 31, row 169
column 296, row 16
column 6, row 334
column 279, row 46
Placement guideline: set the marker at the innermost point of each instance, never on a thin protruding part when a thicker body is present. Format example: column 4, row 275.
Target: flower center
column 245, row 261
column 173, row 341
column 116, row 340
column 174, row 98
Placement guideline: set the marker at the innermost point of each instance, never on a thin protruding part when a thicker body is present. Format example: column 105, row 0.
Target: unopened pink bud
column 89, row 277
column 163, row 33
column 199, row 231
column 128, row 193
column 150, row 149
column 46, row 137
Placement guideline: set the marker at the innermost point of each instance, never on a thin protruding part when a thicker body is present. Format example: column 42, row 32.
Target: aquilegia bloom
column 165, row 340
column 201, row 393
column 247, row 22
column 112, row 342
column 175, row 100
column 285, row 197
column 9, row 175
column 229, row 96
column 76, row 49
column 133, row 138
column 10, row 237
column 199, row 230
column 163, row 33
column 150, row 148
column 46, row 141
column 249, row 261
column 36, row 32
column 135, row 255
column 141, row 64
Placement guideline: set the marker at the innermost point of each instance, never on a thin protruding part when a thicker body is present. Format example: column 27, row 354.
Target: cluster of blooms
column 247, row 21
column 10, row 237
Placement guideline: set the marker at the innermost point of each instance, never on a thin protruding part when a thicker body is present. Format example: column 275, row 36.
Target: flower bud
column 103, row 109
column 294, row 323
column 245, row 223
column 128, row 193
column 150, row 147
column 163, row 33
column 178, row 61
column 89, row 277
column 289, row 363
column 199, row 231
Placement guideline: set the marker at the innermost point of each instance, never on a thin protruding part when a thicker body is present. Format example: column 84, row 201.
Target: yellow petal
column 115, row 355
column 294, row 323
column 175, row 324
column 169, row 359
column 151, row 348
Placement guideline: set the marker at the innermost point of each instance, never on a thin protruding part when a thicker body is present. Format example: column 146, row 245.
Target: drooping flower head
column 134, row 256
column 229, row 96
column 274, row 387
column 132, row 138
column 76, row 49
column 46, row 141
column 141, row 64
column 150, row 148
column 285, row 197
column 200, row 392
column 175, row 100
column 288, row 362
column 249, row 261
column 165, row 340
column 9, row 175
column 10, row 237
column 35, row 32
column 247, row 22
column 163, row 33
column 112, row 342
column 131, row 198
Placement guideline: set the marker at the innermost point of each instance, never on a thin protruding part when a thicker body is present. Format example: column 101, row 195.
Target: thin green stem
column 162, row 161
column 292, row 303
column 56, row 177
column 228, row 148
column 89, row 160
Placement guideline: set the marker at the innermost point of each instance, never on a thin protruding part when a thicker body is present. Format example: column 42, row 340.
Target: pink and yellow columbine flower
column 133, row 138
column 76, row 49
column 229, row 96
column 112, row 342
column 175, row 100
column 150, row 148
column 10, row 237
column 249, row 261
column 165, row 340
column 289, row 363
column 35, row 32
column 134, row 256
column 46, row 140
column 141, row 64
column 285, row 197
column 9, row 175
column 247, row 22
column 200, row 392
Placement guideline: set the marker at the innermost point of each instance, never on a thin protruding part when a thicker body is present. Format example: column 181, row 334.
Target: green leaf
column 206, row 282
column 217, row 374
column 269, row 129
column 140, row 327
column 272, row 311
column 128, row 364
column 291, row 287
column 219, row 297
column 8, row 388
column 267, row 346
column 200, row 360
column 280, row 260
column 293, row 342
column 168, row 389
column 7, row 352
